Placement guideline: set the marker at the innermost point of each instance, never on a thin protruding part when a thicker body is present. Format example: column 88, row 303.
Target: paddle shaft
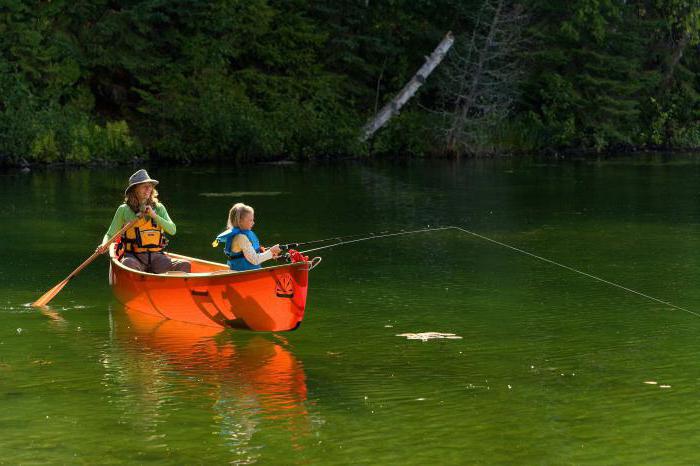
column 49, row 295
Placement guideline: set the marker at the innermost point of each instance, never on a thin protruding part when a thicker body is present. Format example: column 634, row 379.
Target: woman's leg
column 181, row 265
column 161, row 263
column 132, row 262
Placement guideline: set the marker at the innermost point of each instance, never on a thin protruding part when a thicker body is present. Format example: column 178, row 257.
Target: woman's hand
column 150, row 212
column 275, row 250
column 102, row 248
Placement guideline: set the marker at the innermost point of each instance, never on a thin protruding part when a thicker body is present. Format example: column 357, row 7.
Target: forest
column 184, row 81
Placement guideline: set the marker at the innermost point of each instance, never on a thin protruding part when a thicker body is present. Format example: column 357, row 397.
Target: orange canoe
column 268, row 299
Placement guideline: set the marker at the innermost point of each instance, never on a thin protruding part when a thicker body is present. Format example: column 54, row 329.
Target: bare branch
column 481, row 77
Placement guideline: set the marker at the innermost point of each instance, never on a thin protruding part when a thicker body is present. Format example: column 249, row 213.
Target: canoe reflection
column 252, row 379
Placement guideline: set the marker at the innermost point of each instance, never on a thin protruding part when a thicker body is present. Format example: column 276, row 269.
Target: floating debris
column 429, row 336
column 243, row 193
column 471, row 386
column 664, row 386
column 651, row 382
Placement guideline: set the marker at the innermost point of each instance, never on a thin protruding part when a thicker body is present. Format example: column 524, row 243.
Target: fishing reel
column 291, row 255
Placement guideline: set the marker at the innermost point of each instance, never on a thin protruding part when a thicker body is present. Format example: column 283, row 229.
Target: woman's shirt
column 124, row 215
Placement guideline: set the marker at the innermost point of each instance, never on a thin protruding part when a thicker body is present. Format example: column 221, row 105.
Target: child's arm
column 242, row 243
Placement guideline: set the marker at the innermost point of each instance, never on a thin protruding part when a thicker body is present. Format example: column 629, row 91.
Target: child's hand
column 263, row 248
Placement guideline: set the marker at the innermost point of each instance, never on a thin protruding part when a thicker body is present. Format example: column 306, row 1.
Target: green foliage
column 687, row 137
column 78, row 140
column 600, row 75
column 587, row 75
column 185, row 80
column 53, row 134
column 682, row 16
column 111, row 142
column 412, row 133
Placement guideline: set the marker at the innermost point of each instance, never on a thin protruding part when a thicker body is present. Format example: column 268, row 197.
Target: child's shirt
column 241, row 243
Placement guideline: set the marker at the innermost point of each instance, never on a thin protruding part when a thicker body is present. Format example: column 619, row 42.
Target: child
column 242, row 247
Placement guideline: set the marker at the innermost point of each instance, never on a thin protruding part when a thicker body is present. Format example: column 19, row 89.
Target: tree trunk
column 393, row 107
column 676, row 57
column 462, row 108
column 482, row 76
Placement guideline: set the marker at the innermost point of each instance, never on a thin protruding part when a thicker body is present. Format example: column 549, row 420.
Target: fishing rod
column 522, row 251
column 292, row 255
column 377, row 236
column 287, row 246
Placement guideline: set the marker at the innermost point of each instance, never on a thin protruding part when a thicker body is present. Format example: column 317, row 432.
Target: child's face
column 247, row 221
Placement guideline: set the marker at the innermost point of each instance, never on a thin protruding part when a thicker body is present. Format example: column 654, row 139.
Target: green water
column 550, row 368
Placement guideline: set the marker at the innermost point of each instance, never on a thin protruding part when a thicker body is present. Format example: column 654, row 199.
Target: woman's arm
column 117, row 222
column 163, row 219
column 121, row 217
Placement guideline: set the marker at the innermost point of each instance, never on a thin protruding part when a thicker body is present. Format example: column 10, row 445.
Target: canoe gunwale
column 224, row 272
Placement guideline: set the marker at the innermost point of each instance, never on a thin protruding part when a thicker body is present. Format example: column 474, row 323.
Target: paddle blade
column 49, row 295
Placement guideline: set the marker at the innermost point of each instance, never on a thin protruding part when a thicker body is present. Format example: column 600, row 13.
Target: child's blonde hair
column 236, row 214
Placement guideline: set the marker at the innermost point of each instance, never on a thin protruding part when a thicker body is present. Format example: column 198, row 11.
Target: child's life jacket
column 237, row 261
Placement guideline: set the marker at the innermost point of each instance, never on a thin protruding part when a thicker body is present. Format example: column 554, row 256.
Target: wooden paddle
column 49, row 295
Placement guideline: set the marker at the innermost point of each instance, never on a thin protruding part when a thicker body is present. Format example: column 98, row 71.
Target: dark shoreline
column 547, row 155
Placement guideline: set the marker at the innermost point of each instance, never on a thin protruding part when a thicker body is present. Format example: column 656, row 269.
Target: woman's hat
column 139, row 177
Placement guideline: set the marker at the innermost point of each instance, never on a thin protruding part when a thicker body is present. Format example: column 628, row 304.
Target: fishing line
column 367, row 238
column 332, row 238
column 578, row 271
column 544, row 259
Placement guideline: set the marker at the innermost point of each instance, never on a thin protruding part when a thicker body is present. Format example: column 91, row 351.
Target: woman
column 145, row 240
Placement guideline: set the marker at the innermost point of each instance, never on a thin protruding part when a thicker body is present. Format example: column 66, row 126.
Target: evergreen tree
column 586, row 74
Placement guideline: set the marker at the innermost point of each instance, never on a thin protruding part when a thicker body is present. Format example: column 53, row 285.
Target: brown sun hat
column 139, row 177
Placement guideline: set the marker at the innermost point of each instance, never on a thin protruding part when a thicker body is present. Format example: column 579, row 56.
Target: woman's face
column 143, row 191
column 247, row 221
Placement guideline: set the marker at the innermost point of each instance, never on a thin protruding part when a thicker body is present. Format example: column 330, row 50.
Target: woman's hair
column 132, row 200
column 236, row 214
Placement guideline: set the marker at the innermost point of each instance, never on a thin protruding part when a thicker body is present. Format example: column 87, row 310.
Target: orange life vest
column 144, row 236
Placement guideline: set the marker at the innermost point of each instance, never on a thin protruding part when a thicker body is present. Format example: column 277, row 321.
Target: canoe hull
column 268, row 299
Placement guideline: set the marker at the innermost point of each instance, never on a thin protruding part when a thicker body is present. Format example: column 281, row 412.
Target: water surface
column 551, row 367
